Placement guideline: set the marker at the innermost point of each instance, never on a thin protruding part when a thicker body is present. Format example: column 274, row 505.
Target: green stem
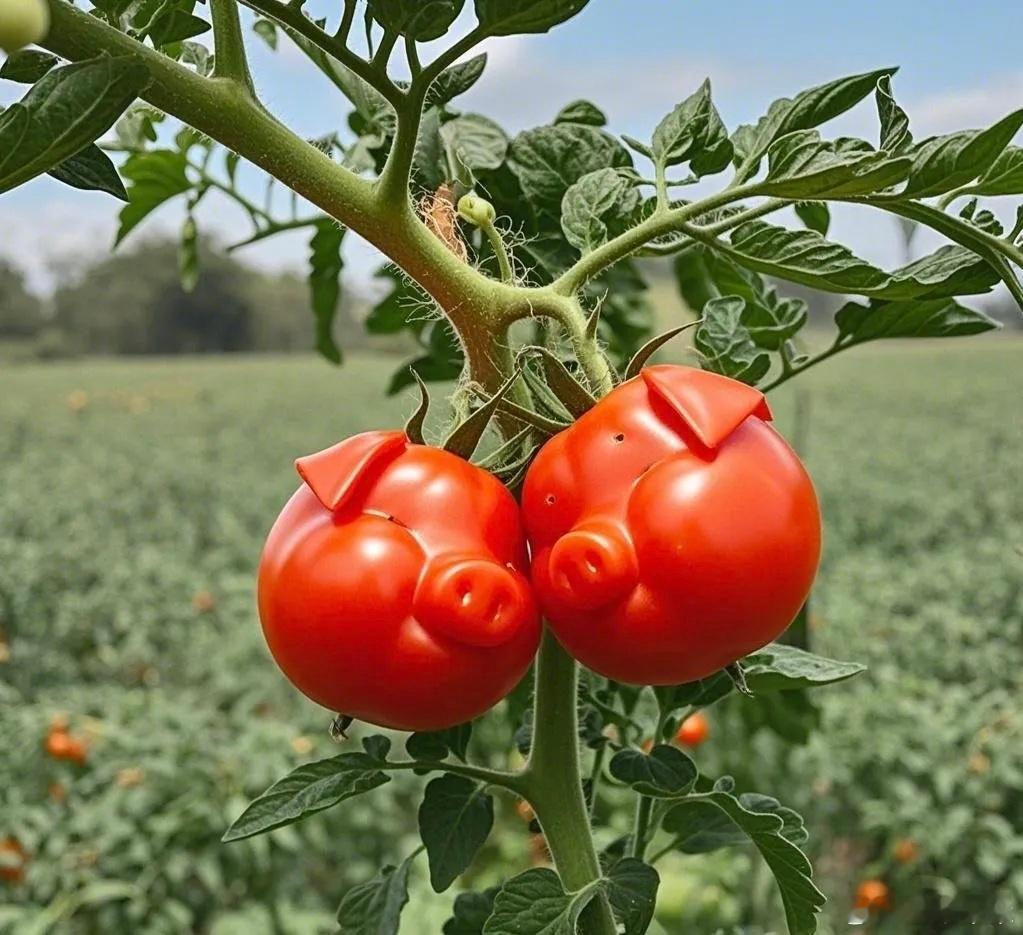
column 229, row 46
column 596, row 774
column 275, row 228
column 812, row 362
column 642, row 826
column 492, row 777
column 347, row 18
column 551, row 779
column 500, row 250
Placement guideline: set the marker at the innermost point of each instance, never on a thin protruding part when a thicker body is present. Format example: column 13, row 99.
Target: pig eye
column 619, row 438
column 551, row 499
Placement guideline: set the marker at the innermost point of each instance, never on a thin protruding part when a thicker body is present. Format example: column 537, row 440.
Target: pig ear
column 332, row 475
column 712, row 406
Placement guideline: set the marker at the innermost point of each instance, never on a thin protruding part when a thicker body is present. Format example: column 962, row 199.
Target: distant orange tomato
column 693, row 731
column 906, row 851
column 12, row 860
column 873, row 895
column 62, row 746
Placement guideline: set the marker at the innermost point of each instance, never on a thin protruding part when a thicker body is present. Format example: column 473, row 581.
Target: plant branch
column 491, row 777
column 276, row 227
column 795, row 370
column 344, row 29
column 230, row 62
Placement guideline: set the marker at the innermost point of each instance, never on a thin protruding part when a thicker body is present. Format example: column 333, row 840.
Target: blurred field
column 133, row 500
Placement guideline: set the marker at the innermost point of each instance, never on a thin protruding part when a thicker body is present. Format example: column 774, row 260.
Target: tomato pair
column 672, row 532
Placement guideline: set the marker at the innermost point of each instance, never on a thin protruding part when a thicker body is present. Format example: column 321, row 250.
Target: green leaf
column 325, row 265
column 895, row 135
column 66, row 110
column 582, row 112
column 474, row 142
column 535, row 903
column 267, row 31
column 548, row 160
column 780, row 667
column 465, row 437
column 511, row 17
column 1004, row 176
column 27, row 66
column 806, row 110
column 91, row 170
column 815, row 215
column 666, row 772
column 175, row 26
column 455, row 80
column 693, row 132
column 188, row 255
column 454, row 821
column 946, row 162
column 631, row 888
column 800, row 898
column 374, row 907
column 154, row 177
column 414, row 431
column 640, row 358
column 702, row 827
column 774, row 321
column 436, row 745
column 569, row 391
column 938, row 318
column 699, row 694
column 586, row 204
column 308, row 789
column 470, row 913
column 950, row 270
column 422, row 20
column 802, row 165
column 726, row 344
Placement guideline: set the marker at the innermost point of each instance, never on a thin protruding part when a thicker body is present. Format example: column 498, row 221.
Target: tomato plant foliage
column 483, row 230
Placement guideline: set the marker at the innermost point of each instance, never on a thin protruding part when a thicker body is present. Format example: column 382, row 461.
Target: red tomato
column 673, row 530
column 391, row 587
column 693, row 731
column 873, row 894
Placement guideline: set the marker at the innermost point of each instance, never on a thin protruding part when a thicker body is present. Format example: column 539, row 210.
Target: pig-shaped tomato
column 673, row 530
column 391, row 586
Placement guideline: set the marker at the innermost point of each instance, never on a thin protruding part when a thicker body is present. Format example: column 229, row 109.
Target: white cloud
column 967, row 108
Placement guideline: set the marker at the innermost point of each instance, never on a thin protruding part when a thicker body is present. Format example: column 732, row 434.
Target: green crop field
column 134, row 497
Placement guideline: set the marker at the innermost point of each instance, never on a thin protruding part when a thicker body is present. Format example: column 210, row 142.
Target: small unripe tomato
column 906, row 851
column 873, row 895
column 22, row 22
column 12, row 860
column 391, row 587
column 673, row 530
column 693, row 731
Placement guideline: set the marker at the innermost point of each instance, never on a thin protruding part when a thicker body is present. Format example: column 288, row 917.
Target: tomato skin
column 23, row 22
column 391, row 586
column 873, row 894
column 693, row 731
column 673, row 530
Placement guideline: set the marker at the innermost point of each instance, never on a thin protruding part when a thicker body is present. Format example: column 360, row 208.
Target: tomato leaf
column 455, row 819
column 938, row 318
column 511, row 17
column 765, row 829
column 27, row 66
column 631, row 888
column 895, row 135
column 421, row 20
column 666, row 772
column 90, row 170
column 565, row 386
column 470, row 912
column 267, row 31
column 374, row 907
column 693, row 132
column 474, row 142
column 535, row 903
column 582, row 112
column 815, row 215
column 589, row 201
column 66, row 110
column 725, row 343
column 154, row 177
column 707, row 828
column 455, row 80
column 436, row 745
column 308, row 789
column 780, row 667
column 465, row 437
column 325, row 265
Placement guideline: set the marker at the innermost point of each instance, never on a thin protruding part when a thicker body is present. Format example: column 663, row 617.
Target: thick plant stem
column 229, row 46
column 552, row 780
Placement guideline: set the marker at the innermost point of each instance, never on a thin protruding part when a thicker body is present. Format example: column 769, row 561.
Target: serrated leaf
column 535, row 903
column 66, row 110
column 774, row 321
column 27, row 66
column 154, row 177
column 726, row 344
column 702, row 827
column 421, row 20
column 666, row 772
column 470, row 913
column 950, row 270
column 800, row 898
column 582, row 112
column 937, row 318
column 454, row 822
column 475, row 142
column 308, row 789
column 1004, row 176
column 325, row 265
column 587, row 202
column 514, row 17
column 435, row 745
column 631, row 888
column 693, row 132
column 267, row 31
column 947, row 162
column 548, row 160
column 455, row 80
column 815, row 215
column 91, row 170
column 895, row 135
column 374, row 907
column 806, row 110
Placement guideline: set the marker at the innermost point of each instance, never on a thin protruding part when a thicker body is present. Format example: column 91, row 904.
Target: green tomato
column 22, row 22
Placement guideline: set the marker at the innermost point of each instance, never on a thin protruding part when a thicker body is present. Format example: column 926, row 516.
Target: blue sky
column 960, row 67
